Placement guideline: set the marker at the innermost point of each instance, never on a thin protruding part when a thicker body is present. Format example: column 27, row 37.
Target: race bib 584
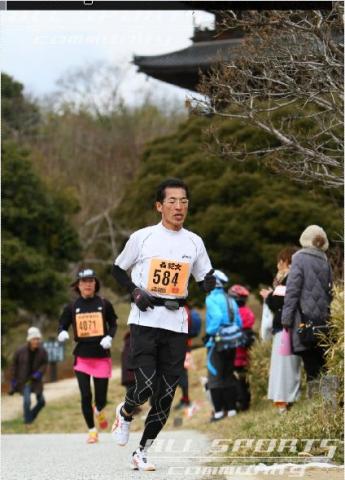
column 167, row 277
column 89, row 324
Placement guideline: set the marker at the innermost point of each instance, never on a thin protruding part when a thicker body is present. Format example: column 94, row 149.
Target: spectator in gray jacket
column 308, row 296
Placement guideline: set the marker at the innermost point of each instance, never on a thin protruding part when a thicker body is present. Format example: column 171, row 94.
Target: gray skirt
column 285, row 375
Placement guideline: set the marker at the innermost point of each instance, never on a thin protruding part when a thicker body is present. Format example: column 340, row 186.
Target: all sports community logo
column 286, row 448
column 225, row 457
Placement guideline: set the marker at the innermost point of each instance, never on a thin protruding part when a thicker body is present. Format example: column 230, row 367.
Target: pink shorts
column 95, row 367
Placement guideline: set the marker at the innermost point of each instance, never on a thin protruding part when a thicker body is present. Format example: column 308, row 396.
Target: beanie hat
column 314, row 237
column 33, row 332
column 221, row 278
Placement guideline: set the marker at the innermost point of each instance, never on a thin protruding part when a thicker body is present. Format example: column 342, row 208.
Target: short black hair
column 170, row 183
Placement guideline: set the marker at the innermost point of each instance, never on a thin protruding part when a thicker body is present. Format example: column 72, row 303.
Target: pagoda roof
column 183, row 67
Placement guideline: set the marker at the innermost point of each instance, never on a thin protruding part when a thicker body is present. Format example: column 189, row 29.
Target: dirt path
column 11, row 407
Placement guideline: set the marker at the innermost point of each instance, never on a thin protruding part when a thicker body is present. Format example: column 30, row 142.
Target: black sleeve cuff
column 122, row 278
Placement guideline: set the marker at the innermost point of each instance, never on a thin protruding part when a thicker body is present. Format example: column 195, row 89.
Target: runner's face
column 174, row 208
column 87, row 287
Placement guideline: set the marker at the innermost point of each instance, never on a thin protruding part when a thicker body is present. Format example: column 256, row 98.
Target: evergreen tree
column 19, row 115
column 38, row 240
column 244, row 212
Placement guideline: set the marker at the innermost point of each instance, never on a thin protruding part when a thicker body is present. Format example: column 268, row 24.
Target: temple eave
column 182, row 68
column 178, row 78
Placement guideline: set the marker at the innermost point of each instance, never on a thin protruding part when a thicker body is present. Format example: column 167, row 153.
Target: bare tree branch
column 287, row 73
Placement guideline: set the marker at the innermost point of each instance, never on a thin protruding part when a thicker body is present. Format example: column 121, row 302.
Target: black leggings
column 183, row 384
column 242, row 388
column 161, row 388
column 101, row 388
column 223, row 398
column 314, row 361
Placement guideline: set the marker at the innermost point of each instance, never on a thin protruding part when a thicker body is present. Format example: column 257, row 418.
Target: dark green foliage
column 244, row 212
column 38, row 240
column 19, row 116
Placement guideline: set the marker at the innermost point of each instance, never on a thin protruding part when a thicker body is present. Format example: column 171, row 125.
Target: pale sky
column 38, row 47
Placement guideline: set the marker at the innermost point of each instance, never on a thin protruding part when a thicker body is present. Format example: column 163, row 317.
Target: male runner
column 161, row 258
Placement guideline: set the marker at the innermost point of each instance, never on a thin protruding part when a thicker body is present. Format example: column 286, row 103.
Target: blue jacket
column 217, row 312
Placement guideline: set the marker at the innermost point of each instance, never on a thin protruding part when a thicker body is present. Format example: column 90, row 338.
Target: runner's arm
column 122, row 278
column 65, row 319
column 140, row 297
column 202, row 266
column 110, row 317
column 124, row 261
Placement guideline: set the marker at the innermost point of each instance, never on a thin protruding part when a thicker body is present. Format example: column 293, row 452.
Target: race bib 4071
column 89, row 324
column 167, row 277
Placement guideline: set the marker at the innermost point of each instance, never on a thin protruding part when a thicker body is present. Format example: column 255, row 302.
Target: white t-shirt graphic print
column 162, row 261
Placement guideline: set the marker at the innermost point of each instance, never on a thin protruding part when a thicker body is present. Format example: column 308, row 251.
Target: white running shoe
column 120, row 428
column 232, row 413
column 140, row 461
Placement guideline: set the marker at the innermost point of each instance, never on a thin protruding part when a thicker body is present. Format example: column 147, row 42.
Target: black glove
column 209, row 281
column 142, row 299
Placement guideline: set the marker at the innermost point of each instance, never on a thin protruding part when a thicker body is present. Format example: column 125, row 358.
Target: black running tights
column 101, row 387
column 161, row 388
